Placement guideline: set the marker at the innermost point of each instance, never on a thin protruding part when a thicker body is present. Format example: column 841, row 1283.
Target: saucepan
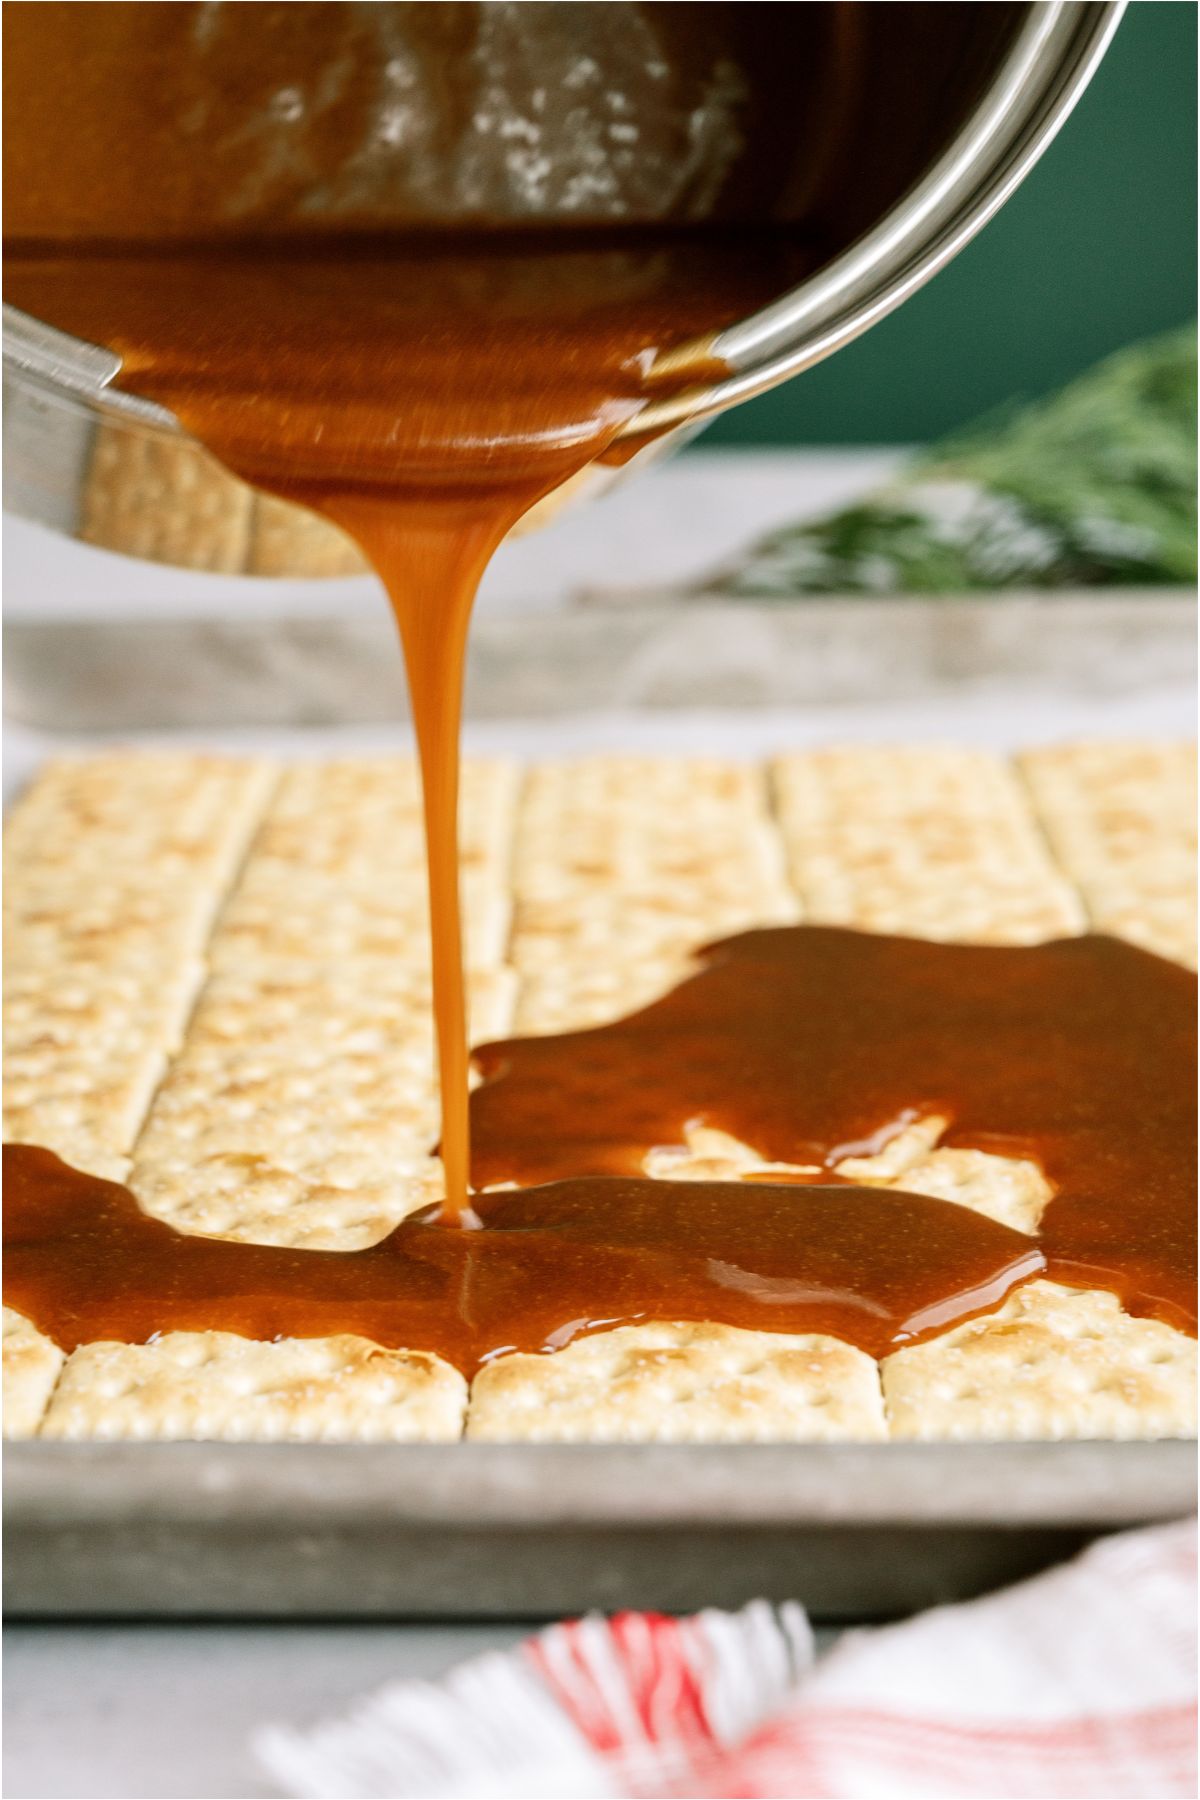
column 915, row 159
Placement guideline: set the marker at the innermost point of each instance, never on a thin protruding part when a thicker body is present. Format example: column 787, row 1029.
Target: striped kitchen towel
column 1080, row 1683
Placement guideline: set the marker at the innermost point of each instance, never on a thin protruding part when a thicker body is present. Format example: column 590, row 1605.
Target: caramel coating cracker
column 296, row 1103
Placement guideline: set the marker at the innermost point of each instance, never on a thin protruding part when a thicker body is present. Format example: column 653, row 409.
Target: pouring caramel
column 318, row 236
column 254, row 236
column 420, row 388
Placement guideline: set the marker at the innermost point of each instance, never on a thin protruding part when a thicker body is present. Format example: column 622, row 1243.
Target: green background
column 1096, row 248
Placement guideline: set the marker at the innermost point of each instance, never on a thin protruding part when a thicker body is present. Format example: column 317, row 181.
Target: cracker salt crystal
column 213, row 1385
column 680, row 1383
column 31, row 1368
column 1052, row 1362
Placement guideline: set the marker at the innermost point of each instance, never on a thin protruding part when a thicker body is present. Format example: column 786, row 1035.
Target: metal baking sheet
column 520, row 1531
column 648, row 654
column 495, row 1531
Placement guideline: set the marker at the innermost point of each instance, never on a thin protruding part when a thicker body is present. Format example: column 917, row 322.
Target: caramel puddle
column 808, row 1043
column 813, row 1043
column 85, row 1264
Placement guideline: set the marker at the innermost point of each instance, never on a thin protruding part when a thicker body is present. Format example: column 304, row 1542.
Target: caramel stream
column 423, row 398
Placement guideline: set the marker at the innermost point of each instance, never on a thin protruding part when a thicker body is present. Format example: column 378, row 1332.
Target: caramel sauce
column 236, row 201
column 85, row 1264
column 809, row 1044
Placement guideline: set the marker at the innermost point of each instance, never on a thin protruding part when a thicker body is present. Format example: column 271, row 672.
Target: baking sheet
column 651, row 655
column 495, row 1530
column 498, row 1531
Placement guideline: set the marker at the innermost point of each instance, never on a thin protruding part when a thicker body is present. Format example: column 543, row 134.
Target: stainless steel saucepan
column 76, row 446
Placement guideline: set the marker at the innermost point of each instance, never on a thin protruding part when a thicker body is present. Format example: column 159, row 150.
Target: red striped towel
column 1080, row 1683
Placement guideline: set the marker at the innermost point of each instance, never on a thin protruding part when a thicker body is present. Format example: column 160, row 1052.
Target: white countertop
column 148, row 1712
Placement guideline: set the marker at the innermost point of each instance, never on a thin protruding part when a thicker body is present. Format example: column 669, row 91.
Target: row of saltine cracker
column 217, row 988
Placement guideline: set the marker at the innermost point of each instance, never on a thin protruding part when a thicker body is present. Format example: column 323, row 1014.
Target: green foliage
column 1094, row 487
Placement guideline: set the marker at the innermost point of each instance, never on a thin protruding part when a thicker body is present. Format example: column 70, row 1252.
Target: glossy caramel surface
column 550, row 1262
column 813, row 1043
column 807, row 1043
